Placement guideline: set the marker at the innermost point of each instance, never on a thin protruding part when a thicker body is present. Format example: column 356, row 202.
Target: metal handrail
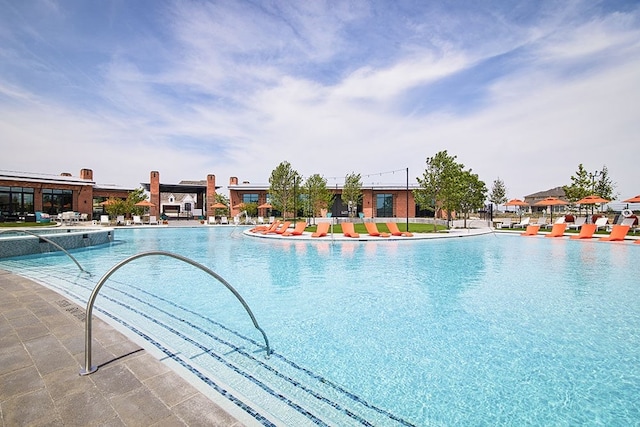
column 88, row 368
column 51, row 242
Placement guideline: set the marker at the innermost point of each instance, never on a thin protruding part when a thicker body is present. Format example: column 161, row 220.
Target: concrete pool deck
column 42, row 352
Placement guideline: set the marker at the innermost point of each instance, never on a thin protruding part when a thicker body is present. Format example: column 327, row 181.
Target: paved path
column 42, row 352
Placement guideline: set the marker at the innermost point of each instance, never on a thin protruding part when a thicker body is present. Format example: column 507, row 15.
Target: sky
column 521, row 91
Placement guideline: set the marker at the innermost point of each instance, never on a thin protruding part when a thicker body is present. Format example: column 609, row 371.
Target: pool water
column 492, row 329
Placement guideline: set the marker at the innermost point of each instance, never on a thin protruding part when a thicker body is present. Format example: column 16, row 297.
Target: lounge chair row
column 618, row 232
column 348, row 229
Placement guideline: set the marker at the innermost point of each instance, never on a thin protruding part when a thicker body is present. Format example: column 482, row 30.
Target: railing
column 50, row 242
column 88, row 368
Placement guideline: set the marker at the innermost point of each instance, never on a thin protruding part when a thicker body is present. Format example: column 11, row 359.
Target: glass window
column 250, row 198
column 57, row 201
column 384, row 205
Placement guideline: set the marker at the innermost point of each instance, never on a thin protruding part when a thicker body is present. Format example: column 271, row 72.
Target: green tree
column 603, row 186
column 498, row 194
column 317, row 195
column 440, row 184
column 352, row 192
column 581, row 185
column 282, row 183
column 472, row 193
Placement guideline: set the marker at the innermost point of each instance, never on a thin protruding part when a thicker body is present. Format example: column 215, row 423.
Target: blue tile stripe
column 274, row 354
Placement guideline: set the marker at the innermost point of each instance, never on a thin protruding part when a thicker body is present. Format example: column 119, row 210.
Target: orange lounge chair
column 283, row 227
column 557, row 230
column 532, row 230
column 395, row 231
column 348, row 230
column 322, row 230
column 262, row 228
column 586, row 231
column 618, row 233
column 297, row 231
column 372, row 230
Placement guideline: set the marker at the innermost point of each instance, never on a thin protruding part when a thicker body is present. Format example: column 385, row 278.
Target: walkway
column 41, row 354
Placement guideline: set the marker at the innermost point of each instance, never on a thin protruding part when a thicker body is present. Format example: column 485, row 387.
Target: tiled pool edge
column 30, row 243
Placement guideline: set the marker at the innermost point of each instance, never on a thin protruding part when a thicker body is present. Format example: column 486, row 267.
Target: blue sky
column 521, row 91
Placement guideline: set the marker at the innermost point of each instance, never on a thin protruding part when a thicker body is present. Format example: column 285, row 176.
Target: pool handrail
column 50, row 242
column 88, row 369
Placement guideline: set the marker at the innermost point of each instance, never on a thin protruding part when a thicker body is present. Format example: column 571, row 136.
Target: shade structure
column 218, row 205
column 635, row 199
column 592, row 200
column 146, row 204
column 551, row 201
column 516, row 202
column 265, row 206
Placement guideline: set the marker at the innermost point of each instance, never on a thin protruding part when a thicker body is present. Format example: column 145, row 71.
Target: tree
column 498, row 194
column 282, row 190
column 604, row 186
column 352, row 192
column 581, row 185
column 472, row 193
column 439, row 184
column 317, row 195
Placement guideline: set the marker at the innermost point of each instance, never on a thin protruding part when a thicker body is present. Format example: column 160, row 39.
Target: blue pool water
column 484, row 330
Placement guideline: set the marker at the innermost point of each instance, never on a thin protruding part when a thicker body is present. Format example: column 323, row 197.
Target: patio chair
column 532, row 230
column 120, row 220
column 560, row 220
column 395, row 231
column 277, row 230
column 137, row 220
column 586, row 232
column 263, row 228
column 579, row 222
column 321, row 230
column 348, row 230
column 557, row 231
column 542, row 221
column 601, row 223
column 297, row 231
column 212, row 220
column 618, row 233
column 224, row 220
column 506, row 223
column 522, row 224
column 260, row 220
column 104, row 220
column 153, row 220
column 372, row 230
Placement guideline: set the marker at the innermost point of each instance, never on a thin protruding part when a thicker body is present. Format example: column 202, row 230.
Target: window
column 250, row 198
column 16, row 200
column 384, row 205
column 57, row 201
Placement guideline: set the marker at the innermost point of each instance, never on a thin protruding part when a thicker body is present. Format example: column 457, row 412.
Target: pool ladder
column 88, row 368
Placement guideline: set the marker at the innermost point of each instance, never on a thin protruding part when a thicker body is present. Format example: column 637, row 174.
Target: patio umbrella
column 218, row 205
column 146, row 204
column 635, row 199
column 265, row 206
column 551, row 201
column 517, row 202
column 592, row 200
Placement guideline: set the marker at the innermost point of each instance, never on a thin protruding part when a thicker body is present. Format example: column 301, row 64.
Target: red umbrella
column 516, row 202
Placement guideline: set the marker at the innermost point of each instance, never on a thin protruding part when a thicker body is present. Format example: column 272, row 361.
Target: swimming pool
column 491, row 329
